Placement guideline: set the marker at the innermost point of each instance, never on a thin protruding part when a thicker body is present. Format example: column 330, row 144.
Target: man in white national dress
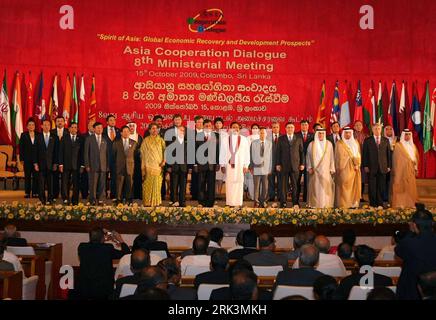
column 234, row 161
column 320, row 163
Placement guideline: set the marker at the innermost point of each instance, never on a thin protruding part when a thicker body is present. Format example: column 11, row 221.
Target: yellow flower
column 21, row 211
column 154, row 219
column 11, row 215
column 320, row 221
column 294, row 221
column 37, row 216
column 98, row 216
column 68, row 217
column 124, row 218
column 153, row 214
column 380, row 220
column 276, row 222
column 83, row 218
column 254, row 221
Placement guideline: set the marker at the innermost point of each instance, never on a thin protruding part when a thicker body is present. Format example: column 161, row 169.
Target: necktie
column 112, row 134
column 262, row 149
column 99, row 141
column 378, row 141
column 304, row 136
column 126, row 145
column 275, row 138
column 60, row 134
column 74, row 139
column 336, row 138
column 46, row 140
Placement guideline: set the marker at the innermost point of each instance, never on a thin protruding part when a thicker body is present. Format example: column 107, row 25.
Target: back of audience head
column 381, row 293
column 139, row 259
column 422, row 220
column 203, row 233
column 216, row 235
column 151, row 233
column 145, row 293
column 299, row 240
column 349, row 237
column 345, row 250
column 249, row 239
column 172, row 269
column 266, row 241
column 10, row 231
column 365, row 255
column 427, row 285
column 397, row 237
column 200, row 245
column 309, row 256
column 240, row 265
column 310, row 236
column 140, row 241
column 96, row 235
column 219, row 260
column 152, row 277
column 239, row 241
column 322, row 243
column 324, row 288
column 294, row 297
column 243, row 285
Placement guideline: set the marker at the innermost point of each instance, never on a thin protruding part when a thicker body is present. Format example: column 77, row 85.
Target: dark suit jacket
column 224, row 294
column 241, row 253
column 93, row 155
column 332, row 140
column 124, row 163
column 309, row 138
column 27, row 149
column 15, row 242
column 349, row 282
column 70, row 154
column 212, row 277
column 157, row 246
column 46, row 157
column 212, row 158
column 132, row 279
column 419, row 256
column 177, row 293
column 176, row 155
column 290, row 155
column 376, row 158
column 274, row 152
column 96, row 275
column 117, row 134
column 267, row 258
column 297, row 277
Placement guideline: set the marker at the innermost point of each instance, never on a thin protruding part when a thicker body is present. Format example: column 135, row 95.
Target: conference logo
column 208, row 20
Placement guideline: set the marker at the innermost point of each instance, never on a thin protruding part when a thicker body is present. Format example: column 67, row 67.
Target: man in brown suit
column 123, row 153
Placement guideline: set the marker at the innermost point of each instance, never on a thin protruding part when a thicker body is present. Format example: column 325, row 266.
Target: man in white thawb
column 320, row 163
column 234, row 161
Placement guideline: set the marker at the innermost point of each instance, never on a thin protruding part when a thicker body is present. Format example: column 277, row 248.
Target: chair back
column 128, row 289
column 388, row 255
column 361, row 293
column 29, row 287
column 388, row 271
column 192, row 270
column 267, row 270
column 205, row 290
column 285, row 291
column 21, row 251
column 161, row 253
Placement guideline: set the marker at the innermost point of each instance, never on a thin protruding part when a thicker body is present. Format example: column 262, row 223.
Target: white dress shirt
column 213, row 244
column 329, row 264
column 194, row 260
column 13, row 259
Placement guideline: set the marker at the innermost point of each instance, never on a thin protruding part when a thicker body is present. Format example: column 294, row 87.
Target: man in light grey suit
column 96, row 160
column 123, row 153
column 260, row 167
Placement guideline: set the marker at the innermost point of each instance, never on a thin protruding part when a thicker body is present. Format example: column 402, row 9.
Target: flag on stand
column 369, row 109
column 336, row 111
column 320, row 117
column 83, row 113
column 40, row 112
column 29, row 99
column 53, row 107
column 75, row 107
column 5, row 114
column 416, row 112
column 433, row 117
column 402, row 119
column 345, row 118
column 67, row 102
column 380, row 117
column 358, row 109
column 92, row 102
column 17, row 113
column 392, row 111
column 426, row 135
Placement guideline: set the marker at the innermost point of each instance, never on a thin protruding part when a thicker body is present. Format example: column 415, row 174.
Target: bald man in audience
column 201, row 233
column 266, row 255
column 427, row 285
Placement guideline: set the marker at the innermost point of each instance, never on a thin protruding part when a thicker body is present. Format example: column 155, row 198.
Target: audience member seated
column 224, row 293
column 306, row 274
column 381, row 293
column 11, row 237
column 266, row 255
column 150, row 242
column 324, row 288
column 294, row 297
column 418, row 251
column 202, row 233
column 298, row 242
column 4, row 265
column 243, row 286
column 172, row 269
column 249, row 241
column 310, row 236
column 329, row 264
column 348, row 237
column 345, row 251
column 239, row 242
column 219, row 262
column 216, row 235
column 139, row 259
column 9, row 257
column 199, row 257
column 427, row 285
column 152, row 277
column 389, row 250
column 96, row 275
column 365, row 256
column 149, row 294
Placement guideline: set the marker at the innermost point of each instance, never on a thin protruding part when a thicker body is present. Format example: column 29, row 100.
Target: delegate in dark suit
column 177, row 293
column 96, row 277
column 307, row 138
column 290, row 156
column 212, row 277
column 334, row 138
column 47, row 160
column 84, row 179
column 304, row 277
column 15, row 242
column 96, row 160
column 137, row 174
column 176, row 155
column 27, row 154
column 207, row 146
column 274, row 178
column 59, row 134
column 112, row 134
column 267, row 258
column 377, row 158
column 70, row 158
column 123, row 153
column 350, row 281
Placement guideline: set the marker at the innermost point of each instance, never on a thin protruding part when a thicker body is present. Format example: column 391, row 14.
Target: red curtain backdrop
column 400, row 47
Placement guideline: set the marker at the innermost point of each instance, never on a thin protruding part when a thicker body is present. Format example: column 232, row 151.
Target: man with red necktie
column 307, row 137
column 112, row 133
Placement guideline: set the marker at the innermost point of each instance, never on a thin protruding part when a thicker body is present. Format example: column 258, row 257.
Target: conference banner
column 252, row 61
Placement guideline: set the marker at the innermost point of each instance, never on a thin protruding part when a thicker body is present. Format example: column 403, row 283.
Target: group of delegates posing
column 330, row 170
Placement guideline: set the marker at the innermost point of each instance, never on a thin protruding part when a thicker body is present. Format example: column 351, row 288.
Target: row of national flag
column 384, row 108
column 27, row 104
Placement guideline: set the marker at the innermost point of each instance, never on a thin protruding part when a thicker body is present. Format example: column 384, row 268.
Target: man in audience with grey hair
column 299, row 241
column 11, row 237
